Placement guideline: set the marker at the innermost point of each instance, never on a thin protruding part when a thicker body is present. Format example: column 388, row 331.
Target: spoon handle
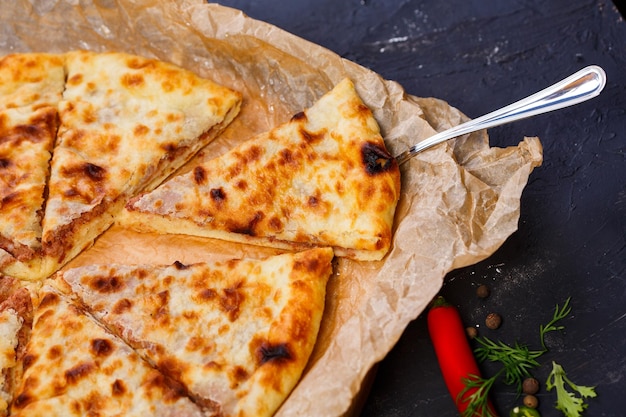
column 578, row 87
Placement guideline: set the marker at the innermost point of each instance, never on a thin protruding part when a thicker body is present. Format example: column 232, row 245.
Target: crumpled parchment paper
column 460, row 200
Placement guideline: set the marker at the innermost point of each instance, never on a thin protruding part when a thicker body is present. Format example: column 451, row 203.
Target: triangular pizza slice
column 74, row 367
column 126, row 123
column 324, row 178
column 236, row 334
column 30, row 90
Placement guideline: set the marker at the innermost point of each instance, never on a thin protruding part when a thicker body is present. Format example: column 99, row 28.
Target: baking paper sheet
column 460, row 200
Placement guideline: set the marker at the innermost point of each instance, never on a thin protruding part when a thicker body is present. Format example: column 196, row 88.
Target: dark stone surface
column 480, row 55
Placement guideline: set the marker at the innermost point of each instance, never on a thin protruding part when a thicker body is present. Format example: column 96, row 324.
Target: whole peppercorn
column 531, row 401
column 493, row 321
column 483, row 291
column 471, row 332
column 530, row 386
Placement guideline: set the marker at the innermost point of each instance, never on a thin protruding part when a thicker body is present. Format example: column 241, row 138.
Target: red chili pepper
column 454, row 354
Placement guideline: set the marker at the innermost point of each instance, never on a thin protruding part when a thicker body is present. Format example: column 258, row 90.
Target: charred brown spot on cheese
column 311, row 137
column 132, row 80
column 171, row 389
column 85, row 170
column 78, row 372
column 249, row 228
column 5, row 163
column 106, row 284
column 118, row 388
column 242, row 185
column 9, row 198
column 122, row 306
column 180, row 266
column 22, row 400
column 101, row 347
column 28, row 360
column 141, row 130
column 254, row 154
column 171, row 367
column 231, row 300
column 75, row 79
column 275, row 223
column 217, row 195
column 135, row 62
column 55, row 352
column 89, row 116
column 286, row 157
column 207, row 294
column 170, row 148
column 238, row 375
column 376, row 159
column 49, row 299
column 274, row 353
column 199, row 175
column 300, row 116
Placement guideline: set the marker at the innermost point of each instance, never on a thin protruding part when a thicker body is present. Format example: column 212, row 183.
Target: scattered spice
column 483, row 291
column 530, row 386
column 531, row 401
column 493, row 321
column 471, row 332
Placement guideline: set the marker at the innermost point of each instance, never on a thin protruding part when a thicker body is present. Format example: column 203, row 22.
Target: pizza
column 86, row 140
column 16, row 312
column 32, row 86
column 124, row 124
column 137, row 340
column 324, row 178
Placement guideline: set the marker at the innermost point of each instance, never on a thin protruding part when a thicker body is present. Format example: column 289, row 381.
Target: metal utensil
column 578, row 87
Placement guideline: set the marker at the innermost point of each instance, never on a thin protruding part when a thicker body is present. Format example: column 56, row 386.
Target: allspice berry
column 471, row 332
column 530, row 386
column 531, row 401
column 483, row 291
column 493, row 321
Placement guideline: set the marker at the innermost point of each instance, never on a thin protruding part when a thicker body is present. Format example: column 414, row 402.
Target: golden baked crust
column 322, row 179
column 236, row 334
column 73, row 367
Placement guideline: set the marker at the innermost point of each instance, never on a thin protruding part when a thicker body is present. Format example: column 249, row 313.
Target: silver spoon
column 578, row 87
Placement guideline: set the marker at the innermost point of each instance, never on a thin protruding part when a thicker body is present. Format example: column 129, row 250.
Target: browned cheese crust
column 324, row 178
column 236, row 334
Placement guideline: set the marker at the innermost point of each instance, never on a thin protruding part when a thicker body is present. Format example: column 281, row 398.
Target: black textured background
column 480, row 55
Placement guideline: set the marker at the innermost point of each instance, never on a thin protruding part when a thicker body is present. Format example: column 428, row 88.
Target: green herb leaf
column 566, row 401
column 478, row 401
column 559, row 314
